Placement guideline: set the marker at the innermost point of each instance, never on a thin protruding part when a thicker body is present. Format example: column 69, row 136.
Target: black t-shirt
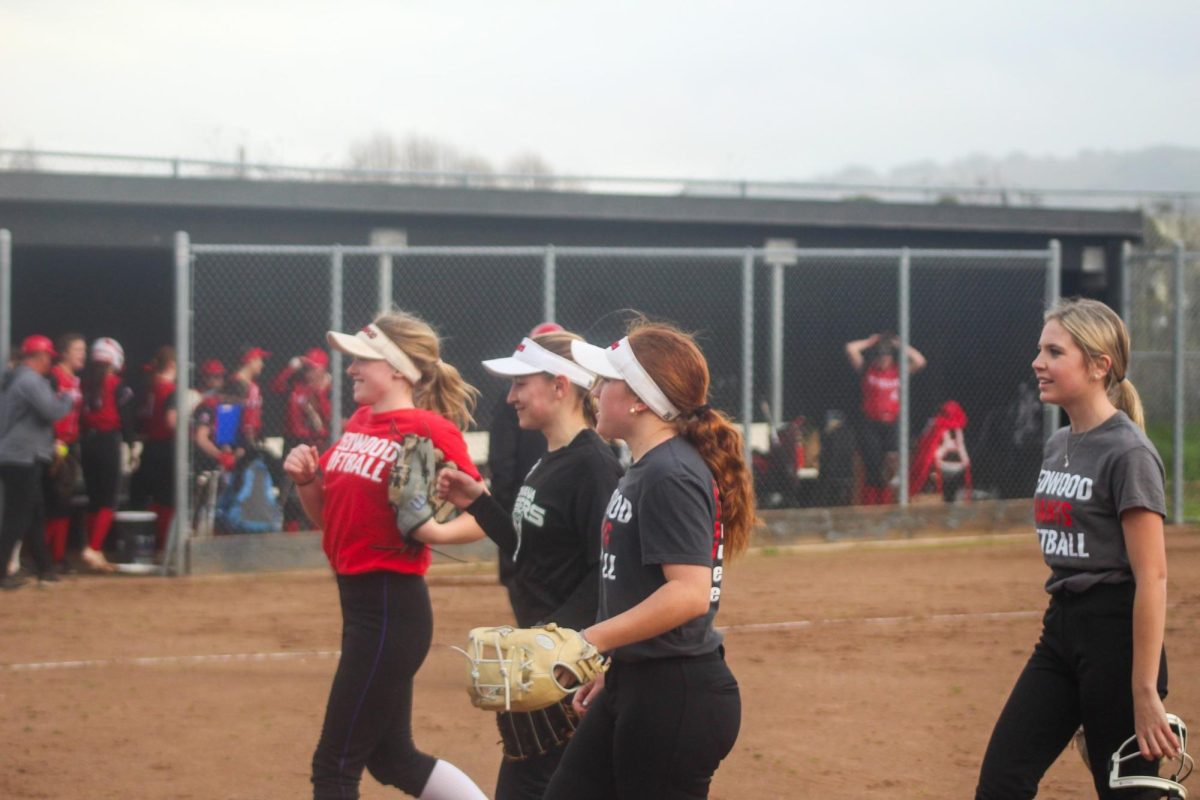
column 666, row 510
column 553, row 533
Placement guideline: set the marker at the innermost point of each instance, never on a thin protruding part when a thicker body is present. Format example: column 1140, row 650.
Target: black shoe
column 10, row 582
column 49, row 577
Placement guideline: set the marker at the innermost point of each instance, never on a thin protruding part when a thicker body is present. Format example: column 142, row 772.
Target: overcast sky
column 766, row 90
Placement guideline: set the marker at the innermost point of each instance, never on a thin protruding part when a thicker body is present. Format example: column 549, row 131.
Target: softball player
column 106, row 418
column 154, row 481
column 551, row 536
column 668, row 710
column 402, row 387
column 1099, row 508
column 63, row 473
column 874, row 358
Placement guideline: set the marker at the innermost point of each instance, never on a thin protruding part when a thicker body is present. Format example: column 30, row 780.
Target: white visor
column 617, row 362
column 373, row 344
column 531, row 358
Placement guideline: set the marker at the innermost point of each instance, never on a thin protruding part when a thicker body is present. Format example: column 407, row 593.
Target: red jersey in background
column 881, row 393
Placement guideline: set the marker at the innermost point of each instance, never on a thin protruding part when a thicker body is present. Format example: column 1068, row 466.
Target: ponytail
column 443, row 391
column 719, row 443
column 1124, row 396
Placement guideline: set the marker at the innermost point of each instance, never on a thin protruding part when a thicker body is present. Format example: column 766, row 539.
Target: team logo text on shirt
column 366, row 456
column 1057, row 541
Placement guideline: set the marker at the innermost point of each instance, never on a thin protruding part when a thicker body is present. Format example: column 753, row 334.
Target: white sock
column 448, row 782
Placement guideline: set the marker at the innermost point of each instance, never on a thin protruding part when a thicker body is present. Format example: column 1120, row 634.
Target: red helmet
column 38, row 344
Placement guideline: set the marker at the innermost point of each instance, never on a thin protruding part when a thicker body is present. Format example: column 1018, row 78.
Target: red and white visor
column 617, row 362
column 531, row 358
column 373, row 344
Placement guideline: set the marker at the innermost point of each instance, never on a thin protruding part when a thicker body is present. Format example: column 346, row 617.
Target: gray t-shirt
column 1087, row 481
column 665, row 510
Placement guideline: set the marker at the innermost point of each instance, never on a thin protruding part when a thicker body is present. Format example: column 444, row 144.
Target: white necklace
column 1067, row 455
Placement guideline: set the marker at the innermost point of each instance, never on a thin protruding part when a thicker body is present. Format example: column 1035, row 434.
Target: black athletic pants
column 387, row 626
column 101, row 455
column 875, row 440
column 1079, row 673
column 24, row 515
column 658, row 730
column 154, row 481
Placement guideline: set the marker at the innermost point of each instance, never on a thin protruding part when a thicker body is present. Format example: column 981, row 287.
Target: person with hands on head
column 402, row 388
column 874, row 359
column 551, row 536
column 29, row 407
column 1099, row 508
column 668, row 710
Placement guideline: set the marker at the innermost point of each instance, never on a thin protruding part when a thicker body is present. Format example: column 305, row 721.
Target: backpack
column 249, row 504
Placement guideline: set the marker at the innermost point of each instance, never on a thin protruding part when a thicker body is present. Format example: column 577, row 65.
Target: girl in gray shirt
column 1099, row 508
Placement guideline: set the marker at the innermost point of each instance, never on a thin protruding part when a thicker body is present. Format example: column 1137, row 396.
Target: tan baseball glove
column 412, row 485
column 513, row 669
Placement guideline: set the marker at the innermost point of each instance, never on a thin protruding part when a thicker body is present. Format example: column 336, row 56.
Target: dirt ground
column 214, row 687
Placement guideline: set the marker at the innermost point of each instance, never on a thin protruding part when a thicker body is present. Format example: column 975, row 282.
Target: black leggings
column 101, row 454
column 875, row 440
column 1079, row 673
column 24, row 516
column 658, row 729
column 387, row 626
column 154, row 481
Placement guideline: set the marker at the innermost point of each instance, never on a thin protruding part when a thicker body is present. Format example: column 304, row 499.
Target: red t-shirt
column 66, row 430
column 153, row 416
column 360, row 532
column 881, row 393
column 105, row 414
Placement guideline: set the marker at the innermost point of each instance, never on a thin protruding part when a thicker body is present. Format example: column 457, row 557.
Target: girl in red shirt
column 874, row 358
column 106, row 418
column 63, row 473
column 154, row 482
column 401, row 386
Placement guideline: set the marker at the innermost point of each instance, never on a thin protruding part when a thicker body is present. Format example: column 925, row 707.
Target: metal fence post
column 549, row 285
column 5, row 297
column 181, row 530
column 1126, row 282
column 385, row 283
column 335, row 323
column 904, row 310
column 776, row 344
column 1053, row 292
column 747, row 349
column 1177, row 375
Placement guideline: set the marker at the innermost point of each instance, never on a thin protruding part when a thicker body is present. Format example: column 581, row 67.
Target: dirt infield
column 885, row 686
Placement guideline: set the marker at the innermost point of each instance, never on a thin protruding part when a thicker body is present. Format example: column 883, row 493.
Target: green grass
column 1162, row 434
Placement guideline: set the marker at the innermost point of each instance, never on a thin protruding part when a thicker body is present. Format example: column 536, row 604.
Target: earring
column 632, row 409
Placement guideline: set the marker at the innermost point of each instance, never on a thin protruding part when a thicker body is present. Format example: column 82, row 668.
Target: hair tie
column 1121, row 379
column 700, row 410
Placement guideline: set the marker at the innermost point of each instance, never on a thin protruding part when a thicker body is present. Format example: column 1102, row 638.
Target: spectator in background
column 154, row 481
column 29, row 407
column 307, row 382
column 207, row 453
column 512, row 452
column 874, row 359
column 63, row 474
column 106, row 419
column 243, row 387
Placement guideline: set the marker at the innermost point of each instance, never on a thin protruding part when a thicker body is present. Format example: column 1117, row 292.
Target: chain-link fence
column 776, row 327
column 1160, row 287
